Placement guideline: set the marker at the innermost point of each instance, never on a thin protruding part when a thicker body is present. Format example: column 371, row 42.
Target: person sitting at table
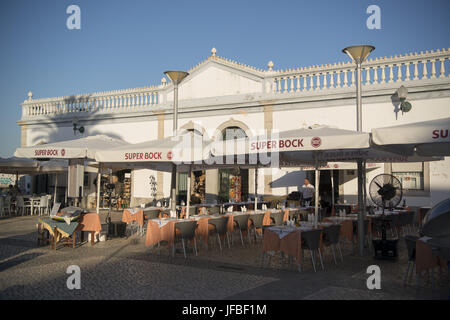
column 307, row 191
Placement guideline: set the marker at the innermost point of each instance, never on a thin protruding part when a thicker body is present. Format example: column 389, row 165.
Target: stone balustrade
column 110, row 101
column 425, row 65
column 402, row 68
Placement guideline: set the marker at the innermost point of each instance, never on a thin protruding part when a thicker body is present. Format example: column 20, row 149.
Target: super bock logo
column 169, row 155
column 316, row 142
column 63, row 152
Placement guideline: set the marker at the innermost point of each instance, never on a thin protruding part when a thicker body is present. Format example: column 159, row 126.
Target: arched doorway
column 233, row 183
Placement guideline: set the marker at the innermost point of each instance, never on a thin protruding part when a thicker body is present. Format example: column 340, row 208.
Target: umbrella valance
column 187, row 148
column 427, row 138
column 71, row 149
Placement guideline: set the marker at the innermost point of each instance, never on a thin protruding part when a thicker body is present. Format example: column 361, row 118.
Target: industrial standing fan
column 385, row 190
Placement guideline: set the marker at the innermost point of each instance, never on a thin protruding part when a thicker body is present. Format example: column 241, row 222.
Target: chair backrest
column 192, row 211
column 242, row 221
column 43, row 201
column 332, row 233
column 292, row 214
column 312, row 239
column 220, row 224
column 214, row 210
column 7, row 200
column 152, row 214
column 257, row 219
column 277, row 217
column 411, row 246
column 187, row 228
column 20, row 202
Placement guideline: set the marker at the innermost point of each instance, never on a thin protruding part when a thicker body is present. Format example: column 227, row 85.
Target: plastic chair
column 187, row 231
column 152, row 214
column 257, row 222
column 312, row 242
column 242, row 224
column 22, row 205
column 214, row 210
column 43, row 205
column 277, row 218
column 331, row 239
column 221, row 228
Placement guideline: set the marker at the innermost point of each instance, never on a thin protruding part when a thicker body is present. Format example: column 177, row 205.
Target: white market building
column 222, row 96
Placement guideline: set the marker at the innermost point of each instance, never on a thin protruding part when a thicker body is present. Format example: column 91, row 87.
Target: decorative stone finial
column 270, row 65
column 30, row 95
column 163, row 81
column 213, row 52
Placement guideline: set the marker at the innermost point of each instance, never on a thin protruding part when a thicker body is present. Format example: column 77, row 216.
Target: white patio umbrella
column 183, row 150
column 301, row 146
column 427, row 138
column 82, row 148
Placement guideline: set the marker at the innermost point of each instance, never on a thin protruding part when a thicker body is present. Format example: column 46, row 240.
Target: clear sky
column 125, row 44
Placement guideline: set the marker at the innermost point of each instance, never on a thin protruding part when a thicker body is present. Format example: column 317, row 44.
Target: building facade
column 220, row 97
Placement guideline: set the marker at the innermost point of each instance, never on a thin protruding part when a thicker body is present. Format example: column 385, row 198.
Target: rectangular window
column 411, row 175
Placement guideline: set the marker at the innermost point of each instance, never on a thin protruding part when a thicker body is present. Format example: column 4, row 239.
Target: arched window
column 230, row 133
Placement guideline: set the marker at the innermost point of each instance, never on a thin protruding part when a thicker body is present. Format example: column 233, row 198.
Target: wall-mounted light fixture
column 402, row 93
column 80, row 129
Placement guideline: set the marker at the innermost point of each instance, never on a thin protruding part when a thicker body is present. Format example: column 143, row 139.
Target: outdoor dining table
column 163, row 230
column 58, row 230
column 136, row 214
column 89, row 222
column 288, row 240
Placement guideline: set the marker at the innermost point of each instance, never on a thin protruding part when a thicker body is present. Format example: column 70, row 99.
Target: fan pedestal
column 385, row 249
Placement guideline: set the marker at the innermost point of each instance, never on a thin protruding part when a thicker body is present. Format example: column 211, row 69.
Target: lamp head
column 176, row 76
column 358, row 53
column 402, row 93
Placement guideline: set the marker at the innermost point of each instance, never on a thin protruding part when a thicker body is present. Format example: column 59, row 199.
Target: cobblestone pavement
column 126, row 269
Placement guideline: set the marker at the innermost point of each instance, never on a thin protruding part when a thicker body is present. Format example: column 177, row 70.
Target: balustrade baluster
column 442, row 71
column 433, row 69
column 424, row 70
column 391, row 73
column 383, row 74
column 416, row 71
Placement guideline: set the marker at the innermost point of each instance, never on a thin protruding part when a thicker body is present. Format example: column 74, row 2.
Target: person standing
column 307, row 191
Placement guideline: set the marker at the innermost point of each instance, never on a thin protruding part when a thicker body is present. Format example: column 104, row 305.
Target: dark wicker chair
column 257, row 222
column 187, row 231
column 331, row 239
column 241, row 221
column 221, row 229
column 311, row 240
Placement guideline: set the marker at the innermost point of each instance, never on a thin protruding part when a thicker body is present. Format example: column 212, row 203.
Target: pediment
column 214, row 79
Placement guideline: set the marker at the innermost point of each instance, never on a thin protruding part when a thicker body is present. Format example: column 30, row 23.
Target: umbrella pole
column 188, row 195
column 316, row 197
column 99, row 179
column 361, row 208
column 173, row 191
column 56, row 188
column 256, row 189
column 332, row 191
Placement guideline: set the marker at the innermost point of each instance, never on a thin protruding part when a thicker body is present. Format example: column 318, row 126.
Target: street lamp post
column 176, row 77
column 359, row 54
